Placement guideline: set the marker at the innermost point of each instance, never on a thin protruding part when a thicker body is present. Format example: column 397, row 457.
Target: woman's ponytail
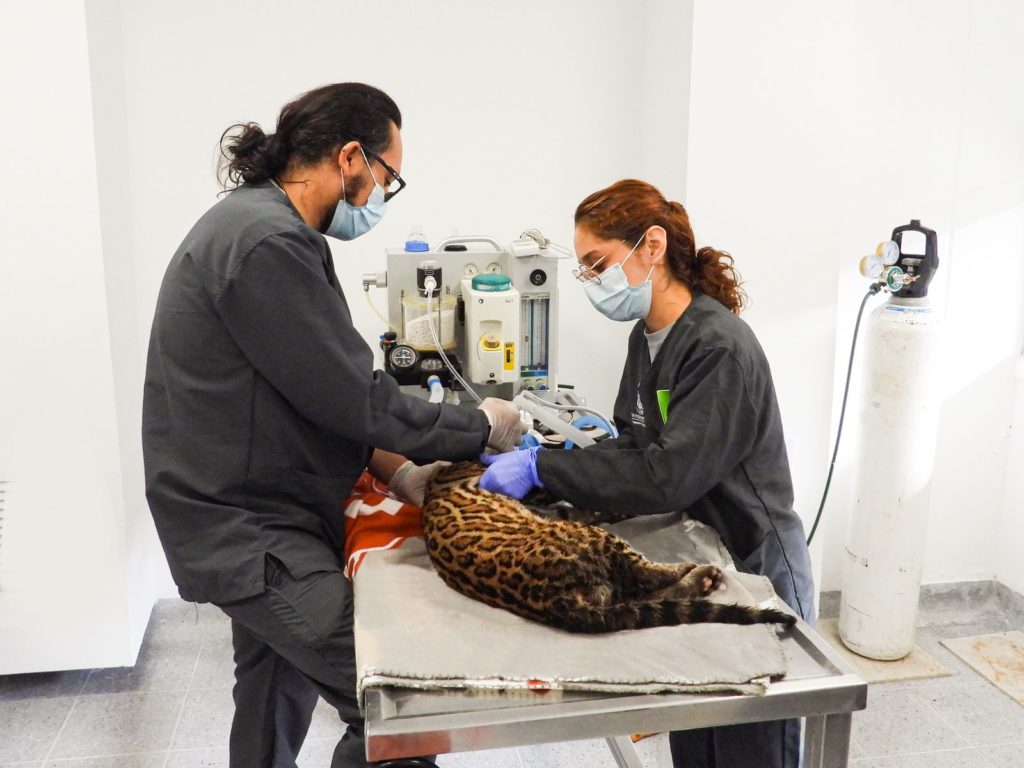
column 715, row 275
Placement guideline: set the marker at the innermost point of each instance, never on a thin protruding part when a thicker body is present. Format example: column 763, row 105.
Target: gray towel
column 414, row 631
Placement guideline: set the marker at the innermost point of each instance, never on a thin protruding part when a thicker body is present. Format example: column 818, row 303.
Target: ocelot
column 562, row 573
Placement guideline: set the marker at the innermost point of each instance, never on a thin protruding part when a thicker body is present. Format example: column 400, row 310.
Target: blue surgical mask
column 613, row 296
column 351, row 221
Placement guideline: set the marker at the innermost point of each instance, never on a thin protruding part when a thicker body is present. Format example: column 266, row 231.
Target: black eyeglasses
column 391, row 190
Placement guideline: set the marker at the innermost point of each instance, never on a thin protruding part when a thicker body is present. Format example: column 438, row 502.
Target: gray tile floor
column 961, row 721
column 173, row 709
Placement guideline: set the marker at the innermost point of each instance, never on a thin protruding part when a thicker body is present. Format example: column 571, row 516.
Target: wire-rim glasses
column 586, row 272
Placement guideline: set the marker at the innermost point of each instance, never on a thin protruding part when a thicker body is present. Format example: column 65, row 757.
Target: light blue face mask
column 351, row 221
column 613, row 296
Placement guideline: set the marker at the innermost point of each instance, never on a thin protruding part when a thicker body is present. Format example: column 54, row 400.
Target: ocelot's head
column 462, row 475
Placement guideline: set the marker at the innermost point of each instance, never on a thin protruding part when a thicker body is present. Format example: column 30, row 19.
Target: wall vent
column 5, row 485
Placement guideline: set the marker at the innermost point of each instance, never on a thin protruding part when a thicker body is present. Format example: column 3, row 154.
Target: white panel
column 64, row 604
column 106, row 59
column 1009, row 563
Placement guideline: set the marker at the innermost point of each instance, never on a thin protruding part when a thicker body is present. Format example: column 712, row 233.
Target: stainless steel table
column 820, row 686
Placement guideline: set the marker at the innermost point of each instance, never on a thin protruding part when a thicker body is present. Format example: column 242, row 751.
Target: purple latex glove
column 513, row 474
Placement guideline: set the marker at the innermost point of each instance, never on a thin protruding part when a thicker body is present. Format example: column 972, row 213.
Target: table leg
column 827, row 740
column 624, row 752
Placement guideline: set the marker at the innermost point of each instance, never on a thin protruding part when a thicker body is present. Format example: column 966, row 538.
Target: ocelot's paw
column 705, row 579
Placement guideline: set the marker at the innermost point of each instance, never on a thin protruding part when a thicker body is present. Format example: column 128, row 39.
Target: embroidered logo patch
column 637, row 417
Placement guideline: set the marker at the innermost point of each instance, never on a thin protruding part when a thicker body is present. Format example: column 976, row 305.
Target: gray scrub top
column 261, row 406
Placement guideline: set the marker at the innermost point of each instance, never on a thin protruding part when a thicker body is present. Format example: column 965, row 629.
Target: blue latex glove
column 513, row 474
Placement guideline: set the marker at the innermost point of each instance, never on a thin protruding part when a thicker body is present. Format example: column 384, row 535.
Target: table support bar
column 624, row 752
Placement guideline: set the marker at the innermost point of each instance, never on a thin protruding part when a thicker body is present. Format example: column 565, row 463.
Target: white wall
column 72, row 567
column 797, row 138
column 512, row 113
column 816, row 130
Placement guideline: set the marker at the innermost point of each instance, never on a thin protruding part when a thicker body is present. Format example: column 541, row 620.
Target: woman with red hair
column 698, row 420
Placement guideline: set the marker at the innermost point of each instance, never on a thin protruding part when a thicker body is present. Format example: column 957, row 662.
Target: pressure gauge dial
column 871, row 266
column 402, row 356
column 889, row 252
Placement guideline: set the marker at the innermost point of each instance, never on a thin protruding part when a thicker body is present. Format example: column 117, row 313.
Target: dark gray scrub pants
column 785, row 560
column 293, row 644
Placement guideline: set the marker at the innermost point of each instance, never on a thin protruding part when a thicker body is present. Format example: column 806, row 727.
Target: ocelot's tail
column 665, row 613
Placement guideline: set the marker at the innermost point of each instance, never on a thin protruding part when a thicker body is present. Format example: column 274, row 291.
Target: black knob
column 387, row 340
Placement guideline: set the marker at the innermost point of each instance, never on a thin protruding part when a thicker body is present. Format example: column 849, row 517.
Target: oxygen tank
column 899, row 429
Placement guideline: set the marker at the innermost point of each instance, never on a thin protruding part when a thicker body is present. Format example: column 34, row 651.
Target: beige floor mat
column 999, row 658
column 916, row 665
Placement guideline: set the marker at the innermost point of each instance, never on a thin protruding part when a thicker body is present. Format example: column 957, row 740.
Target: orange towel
column 374, row 519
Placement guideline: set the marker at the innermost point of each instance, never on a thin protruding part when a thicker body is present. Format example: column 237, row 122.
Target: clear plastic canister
column 416, row 242
column 416, row 327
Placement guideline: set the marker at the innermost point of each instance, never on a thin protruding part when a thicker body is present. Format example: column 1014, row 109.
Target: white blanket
column 414, row 631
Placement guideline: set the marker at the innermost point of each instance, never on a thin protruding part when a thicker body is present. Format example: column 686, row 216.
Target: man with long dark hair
column 262, row 408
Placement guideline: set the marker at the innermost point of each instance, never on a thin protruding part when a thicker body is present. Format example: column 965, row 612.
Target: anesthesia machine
column 474, row 316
